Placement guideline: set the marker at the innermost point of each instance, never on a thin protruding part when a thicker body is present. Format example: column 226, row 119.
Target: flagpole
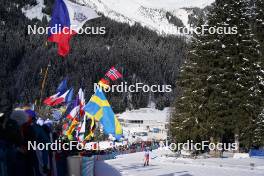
column 44, row 82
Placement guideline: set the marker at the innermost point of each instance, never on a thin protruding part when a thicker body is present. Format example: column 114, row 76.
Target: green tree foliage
column 221, row 82
column 144, row 56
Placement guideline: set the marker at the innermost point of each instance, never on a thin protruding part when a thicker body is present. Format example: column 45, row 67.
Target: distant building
column 145, row 124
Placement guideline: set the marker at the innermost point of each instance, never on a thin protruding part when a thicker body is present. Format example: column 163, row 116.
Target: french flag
column 59, row 98
column 62, row 95
column 74, row 112
column 67, row 19
column 78, row 107
column 62, row 88
column 48, row 101
column 62, row 98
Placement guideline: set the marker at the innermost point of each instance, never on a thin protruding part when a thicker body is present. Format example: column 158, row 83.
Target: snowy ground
column 132, row 165
column 32, row 12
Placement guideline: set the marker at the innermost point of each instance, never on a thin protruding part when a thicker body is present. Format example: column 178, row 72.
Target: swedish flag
column 99, row 108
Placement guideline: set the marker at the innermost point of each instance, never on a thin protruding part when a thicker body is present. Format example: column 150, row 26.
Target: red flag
column 74, row 112
column 104, row 83
column 51, row 99
column 113, row 74
column 60, row 99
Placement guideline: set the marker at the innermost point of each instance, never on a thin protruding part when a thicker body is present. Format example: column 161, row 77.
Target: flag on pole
column 78, row 131
column 76, row 115
column 61, row 99
column 81, row 101
column 99, row 108
column 62, row 88
column 69, row 97
column 74, row 112
column 104, row 83
column 80, row 134
column 113, row 74
column 71, row 128
column 48, row 101
column 66, row 20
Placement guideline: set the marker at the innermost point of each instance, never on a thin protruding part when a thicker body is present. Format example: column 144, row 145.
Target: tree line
column 142, row 55
column 221, row 83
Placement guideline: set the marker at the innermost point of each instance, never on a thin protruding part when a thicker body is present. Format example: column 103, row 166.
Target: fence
column 256, row 153
column 78, row 166
column 113, row 154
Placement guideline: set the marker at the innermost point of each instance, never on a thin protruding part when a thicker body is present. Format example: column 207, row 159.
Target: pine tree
column 258, row 26
column 259, row 131
column 220, row 81
column 259, row 21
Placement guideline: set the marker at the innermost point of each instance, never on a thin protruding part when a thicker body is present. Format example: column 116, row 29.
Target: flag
column 113, row 74
column 62, row 88
column 69, row 108
column 66, row 20
column 65, row 127
column 74, row 112
column 81, row 101
column 78, row 132
column 60, row 99
column 99, row 108
column 81, row 130
column 104, row 83
column 69, row 97
column 71, row 128
column 48, row 101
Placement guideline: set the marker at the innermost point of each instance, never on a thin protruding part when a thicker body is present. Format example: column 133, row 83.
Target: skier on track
column 146, row 157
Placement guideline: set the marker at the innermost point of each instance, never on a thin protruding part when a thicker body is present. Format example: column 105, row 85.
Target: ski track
column 132, row 165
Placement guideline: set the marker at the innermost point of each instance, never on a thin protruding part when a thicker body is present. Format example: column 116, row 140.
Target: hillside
column 144, row 56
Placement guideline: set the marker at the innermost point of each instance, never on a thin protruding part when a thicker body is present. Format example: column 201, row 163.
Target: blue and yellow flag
column 99, row 108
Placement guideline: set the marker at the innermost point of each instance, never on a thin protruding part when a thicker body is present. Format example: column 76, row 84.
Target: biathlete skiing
column 146, row 157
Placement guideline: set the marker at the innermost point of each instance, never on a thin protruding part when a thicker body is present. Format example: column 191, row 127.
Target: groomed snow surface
column 132, row 165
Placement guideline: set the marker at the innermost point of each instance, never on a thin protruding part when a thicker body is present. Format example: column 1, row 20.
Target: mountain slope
column 144, row 56
column 161, row 16
column 150, row 14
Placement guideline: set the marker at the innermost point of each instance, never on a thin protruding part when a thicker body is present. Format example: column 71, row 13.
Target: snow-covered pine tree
column 259, row 21
column 224, row 90
column 191, row 117
column 258, row 26
column 259, row 131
